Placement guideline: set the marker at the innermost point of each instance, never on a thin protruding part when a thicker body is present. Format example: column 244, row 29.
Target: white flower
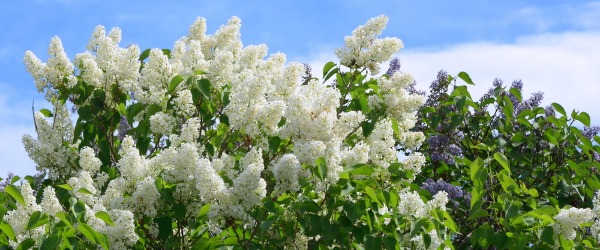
column 308, row 151
column 414, row 162
column 59, row 67
column 113, row 196
column 363, row 49
column 52, row 150
column 189, row 133
column 381, row 143
column 145, row 198
column 50, row 204
column 82, row 184
column 568, row 220
column 434, row 244
column 155, row 78
column 410, row 204
column 184, row 104
column 210, row 185
column 439, row 201
column 595, row 229
column 286, row 172
column 88, row 160
column 311, row 113
column 122, row 235
column 90, row 71
column 358, row 154
column 161, row 123
column 399, row 103
column 19, row 217
column 132, row 165
column 36, row 68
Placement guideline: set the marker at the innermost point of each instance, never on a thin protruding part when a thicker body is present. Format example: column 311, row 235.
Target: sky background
column 552, row 46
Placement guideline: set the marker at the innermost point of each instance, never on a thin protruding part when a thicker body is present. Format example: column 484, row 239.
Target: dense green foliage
column 521, row 163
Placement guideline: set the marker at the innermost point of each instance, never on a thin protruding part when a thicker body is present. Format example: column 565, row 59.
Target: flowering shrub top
column 210, row 144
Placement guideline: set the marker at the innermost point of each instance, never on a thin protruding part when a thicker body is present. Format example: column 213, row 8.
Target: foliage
column 512, row 164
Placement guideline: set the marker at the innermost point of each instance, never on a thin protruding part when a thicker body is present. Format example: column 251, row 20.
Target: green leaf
column 36, row 219
column 360, row 169
column 584, row 118
column 517, row 139
column 84, row 191
column 551, row 138
column 371, row 193
column 477, row 213
column 501, row 158
column 559, row 109
column 7, row 229
column 478, row 175
column 46, row 113
column 78, row 209
column 332, row 73
column 416, row 227
column 167, row 53
column 175, row 81
column 145, row 54
column 87, row 231
column 104, row 216
column 327, row 68
column 133, row 110
column 63, row 217
column 465, row 77
column 367, row 127
column 516, row 93
column 199, row 72
column 50, row 243
column 321, row 165
column 15, row 193
column 165, row 227
column 204, row 86
column 508, row 109
column 26, row 244
column 507, row 183
column 548, row 235
column 65, row 186
column 14, row 179
column 274, row 143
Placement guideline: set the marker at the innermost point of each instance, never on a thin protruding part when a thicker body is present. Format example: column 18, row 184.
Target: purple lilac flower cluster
column 442, row 149
column 454, row 192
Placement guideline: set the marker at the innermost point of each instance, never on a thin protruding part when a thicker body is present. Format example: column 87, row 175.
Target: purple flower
column 454, row 192
column 454, row 150
column 549, row 111
column 394, row 67
column 590, row 132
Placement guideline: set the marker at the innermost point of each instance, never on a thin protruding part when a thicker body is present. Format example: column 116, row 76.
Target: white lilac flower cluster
column 595, row 229
column 52, row 150
column 411, row 204
column 413, row 207
column 19, row 217
column 568, row 220
column 364, row 49
column 401, row 105
column 264, row 94
column 434, row 244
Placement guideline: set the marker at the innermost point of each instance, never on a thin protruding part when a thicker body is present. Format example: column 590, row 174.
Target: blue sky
column 551, row 45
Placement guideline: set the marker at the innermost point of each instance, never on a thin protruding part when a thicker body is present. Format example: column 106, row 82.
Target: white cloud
column 566, row 67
